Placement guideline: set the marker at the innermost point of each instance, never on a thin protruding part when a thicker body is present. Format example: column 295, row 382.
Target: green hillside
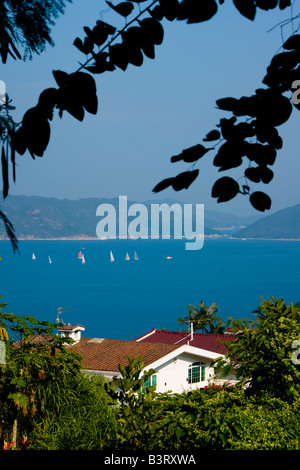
column 284, row 224
column 43, row 218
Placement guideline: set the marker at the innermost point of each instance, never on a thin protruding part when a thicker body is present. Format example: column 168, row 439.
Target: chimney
column 71, row 331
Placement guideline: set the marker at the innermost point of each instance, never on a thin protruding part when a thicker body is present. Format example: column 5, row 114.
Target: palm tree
column 204, row 318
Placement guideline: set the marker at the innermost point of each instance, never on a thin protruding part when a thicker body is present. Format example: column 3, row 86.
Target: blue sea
column 125, row 299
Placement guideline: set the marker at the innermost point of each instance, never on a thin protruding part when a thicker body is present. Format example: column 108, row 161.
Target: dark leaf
column 265, row 173
column 285, row 60
column 79, row 44
column 157, row 13
column 196, row 12
column 77, row 91
column 267, row 134
column 133, row 36
column 87, row 46
column 170, row 9
column 4, row 174
column 236, row 132
column 47, row 101
column 108, row 27
column 212, row 135
column 276, row 77
column 137, row 38
column 61, row 77
column 36, row 130
column 191, row 154
column 229, row 156
column 163, row 185
column 15, row 50
column 273, row 107
column 247, row 106
column 118, row 56
column 124, row 8
column 83, row 86
column 260, row 201
column 252, row 174
column 261, row 154
column 87, row 31
column 266, row 4
column 101, row 32
column 75, row 109
column 184, row 180
column 226, row 126
column 284, row 4
column 246, row 8
column 101, row 64
column 13, row 161
column 224, row 189
column 227, row 104
column 148, row 49
column 10, row 231
column 18, row 141
column 293, row 42
column 152, row 29
column 131, row 44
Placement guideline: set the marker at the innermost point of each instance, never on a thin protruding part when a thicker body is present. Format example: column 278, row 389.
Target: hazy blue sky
column 149, row 113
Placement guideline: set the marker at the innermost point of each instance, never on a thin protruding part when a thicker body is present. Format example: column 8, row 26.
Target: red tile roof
column 208, row 341
column 107, row 354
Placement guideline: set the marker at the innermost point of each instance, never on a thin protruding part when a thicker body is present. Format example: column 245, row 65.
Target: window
column 151, row 382
column 196, row 372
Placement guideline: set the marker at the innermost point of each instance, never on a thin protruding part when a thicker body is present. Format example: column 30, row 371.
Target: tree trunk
column 14, row 434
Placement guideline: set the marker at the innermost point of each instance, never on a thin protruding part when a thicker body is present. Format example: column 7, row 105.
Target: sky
column 147, row 114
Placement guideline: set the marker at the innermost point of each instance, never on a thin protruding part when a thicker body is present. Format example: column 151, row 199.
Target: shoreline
column 85, row 238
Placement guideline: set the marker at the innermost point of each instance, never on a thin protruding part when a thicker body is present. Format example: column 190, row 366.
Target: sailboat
column 135, row 256
column 111, row 256
column 127, row 257
column 79, row 255
column 50, row 260
column 33, row 256
column 82, row 259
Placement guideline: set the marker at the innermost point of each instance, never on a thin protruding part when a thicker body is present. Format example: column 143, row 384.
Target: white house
column 178, row 367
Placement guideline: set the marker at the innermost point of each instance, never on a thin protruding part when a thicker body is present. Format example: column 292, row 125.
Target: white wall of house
column 173, row 372
column 173, row 375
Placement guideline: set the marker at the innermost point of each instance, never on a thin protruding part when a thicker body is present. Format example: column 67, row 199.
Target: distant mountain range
column 284, row 224
column 37, row 217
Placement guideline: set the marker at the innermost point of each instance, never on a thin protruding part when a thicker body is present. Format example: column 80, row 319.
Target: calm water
column 125, row 299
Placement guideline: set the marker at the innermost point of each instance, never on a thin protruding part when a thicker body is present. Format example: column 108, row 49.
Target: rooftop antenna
column 191, row 326
column 59, row 311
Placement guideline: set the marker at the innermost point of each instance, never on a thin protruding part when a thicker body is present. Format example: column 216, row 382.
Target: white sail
column 50, row 260
column 111, row 256
column 127, row 257
column 82, row 258
column 135, row 256
column 33, row 256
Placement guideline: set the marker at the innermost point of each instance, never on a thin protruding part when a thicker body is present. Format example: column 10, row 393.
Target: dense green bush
column 46, row 401
column 227, row 420
column 83, row 423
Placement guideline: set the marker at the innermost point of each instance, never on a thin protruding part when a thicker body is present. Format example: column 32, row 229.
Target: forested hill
column 48, row 218
column 284, row 224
